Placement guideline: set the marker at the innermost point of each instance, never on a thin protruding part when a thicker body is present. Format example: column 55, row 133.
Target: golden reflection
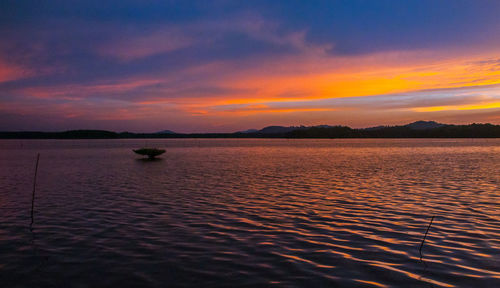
column 414, row 276
column 387, row 249
column 371, row 283
column 494, row 274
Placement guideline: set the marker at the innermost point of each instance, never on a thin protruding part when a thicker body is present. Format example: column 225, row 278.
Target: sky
column 225, row 66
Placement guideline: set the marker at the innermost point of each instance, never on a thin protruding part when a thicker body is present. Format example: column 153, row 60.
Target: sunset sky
column 224, row 66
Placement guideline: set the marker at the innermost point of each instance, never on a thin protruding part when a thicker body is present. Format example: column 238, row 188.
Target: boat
column 150, row 152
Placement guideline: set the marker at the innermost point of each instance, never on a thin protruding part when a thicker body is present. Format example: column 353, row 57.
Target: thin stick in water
column 33, row 194
column 425, row 236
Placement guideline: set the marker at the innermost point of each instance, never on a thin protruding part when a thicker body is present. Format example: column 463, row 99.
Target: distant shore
column 420, row 129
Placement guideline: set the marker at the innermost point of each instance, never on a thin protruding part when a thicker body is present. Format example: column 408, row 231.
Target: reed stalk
column 425, row 236
column 33, row 194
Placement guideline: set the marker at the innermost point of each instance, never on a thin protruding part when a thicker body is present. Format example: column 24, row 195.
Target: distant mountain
column 166, row 132
column 248, row 131
column 423, row 125
column 280, row 129
column 374, row 128
column 419, row 129
column 323, row 126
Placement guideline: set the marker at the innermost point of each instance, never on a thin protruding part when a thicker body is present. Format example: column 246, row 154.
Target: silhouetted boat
column 150, row 152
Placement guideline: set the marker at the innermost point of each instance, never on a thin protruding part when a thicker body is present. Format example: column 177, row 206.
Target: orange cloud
column 251, row 111
column 477, row 106
column 279, row 86
column 365, row 81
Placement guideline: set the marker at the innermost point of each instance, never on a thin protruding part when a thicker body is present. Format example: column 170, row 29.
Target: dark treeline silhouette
column 446, row 131
column 420, row 129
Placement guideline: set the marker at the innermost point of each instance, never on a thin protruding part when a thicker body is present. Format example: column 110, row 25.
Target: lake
column 251, row 212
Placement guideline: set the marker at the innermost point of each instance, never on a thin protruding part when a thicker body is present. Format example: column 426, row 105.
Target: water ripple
column 226, row 213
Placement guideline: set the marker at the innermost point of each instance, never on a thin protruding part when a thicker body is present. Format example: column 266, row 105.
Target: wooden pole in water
column 33, row 194
column 423, row 240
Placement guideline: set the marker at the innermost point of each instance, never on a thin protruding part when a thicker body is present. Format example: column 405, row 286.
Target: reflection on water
column 251, row 212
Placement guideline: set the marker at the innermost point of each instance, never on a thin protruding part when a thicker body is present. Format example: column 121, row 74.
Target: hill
column 419, row 129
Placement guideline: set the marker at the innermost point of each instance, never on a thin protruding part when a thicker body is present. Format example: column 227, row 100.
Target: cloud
column 138, row 46
column 207, row 64
column 415, row 101
column 9, row 72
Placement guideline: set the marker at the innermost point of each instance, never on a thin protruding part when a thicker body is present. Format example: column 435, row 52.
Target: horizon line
column 239, row 131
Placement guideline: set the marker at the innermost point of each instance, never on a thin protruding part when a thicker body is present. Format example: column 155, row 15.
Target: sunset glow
column 222, row 70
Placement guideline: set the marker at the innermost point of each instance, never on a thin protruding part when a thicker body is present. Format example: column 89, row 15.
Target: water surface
column 252, row 212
